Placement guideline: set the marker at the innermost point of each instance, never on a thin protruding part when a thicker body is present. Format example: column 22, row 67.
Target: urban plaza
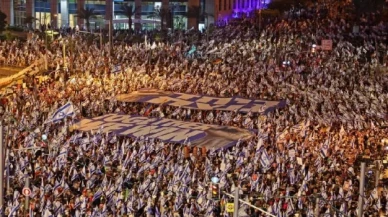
column 197, row 108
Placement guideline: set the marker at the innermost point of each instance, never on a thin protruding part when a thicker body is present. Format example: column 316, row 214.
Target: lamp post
column 361, row 194
column 236, row 196
column 215, row 188
column 64, row 62
column 2, row 162
column 64, row 54
column 260, row 16
column 54, row 21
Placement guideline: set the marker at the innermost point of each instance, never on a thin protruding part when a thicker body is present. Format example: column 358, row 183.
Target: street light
column 313, row 48
column 215, row 180
column 215, row 188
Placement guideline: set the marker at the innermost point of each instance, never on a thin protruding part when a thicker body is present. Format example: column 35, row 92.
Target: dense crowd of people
column 336, row 116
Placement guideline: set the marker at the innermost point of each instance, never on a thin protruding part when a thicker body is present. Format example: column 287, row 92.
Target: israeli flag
column 265, row 160
column 66, row 110
column 116, row 68
column 324, row 150
column 14, row 209
column 290, row 208
column 97, row 195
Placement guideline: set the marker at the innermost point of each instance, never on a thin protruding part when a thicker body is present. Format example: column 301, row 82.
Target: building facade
column 63, row 13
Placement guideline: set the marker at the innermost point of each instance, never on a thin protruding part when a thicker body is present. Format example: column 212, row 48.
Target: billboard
column 327, row 45
column 167, row 130
column 201, row 102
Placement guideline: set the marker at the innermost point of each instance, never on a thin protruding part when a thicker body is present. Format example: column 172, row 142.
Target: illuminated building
column 62, row 13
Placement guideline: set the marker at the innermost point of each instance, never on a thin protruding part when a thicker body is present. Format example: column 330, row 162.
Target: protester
column 304, row 156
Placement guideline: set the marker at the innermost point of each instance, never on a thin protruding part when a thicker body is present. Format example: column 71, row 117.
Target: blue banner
column 201, row 102
column 167, row 130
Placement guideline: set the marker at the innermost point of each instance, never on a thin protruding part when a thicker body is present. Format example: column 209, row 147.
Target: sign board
column 229, row 207
column 167, row 130
column 26, row 191
column 327, row 45
column 201, row 102
column 356, row 29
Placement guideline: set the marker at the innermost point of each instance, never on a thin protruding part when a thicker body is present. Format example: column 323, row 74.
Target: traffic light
column 215, row 192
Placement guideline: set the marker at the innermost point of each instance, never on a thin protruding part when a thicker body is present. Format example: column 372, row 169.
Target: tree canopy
column 363, row 6
column 129, row 11
column 284, row 5
column 87, row 14
column 29, row 20
column 162, row 14
column 3, row 21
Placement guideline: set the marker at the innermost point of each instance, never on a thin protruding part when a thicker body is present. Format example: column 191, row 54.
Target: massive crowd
column 336, row 114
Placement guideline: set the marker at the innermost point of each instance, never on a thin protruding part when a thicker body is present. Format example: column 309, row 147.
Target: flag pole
column 377, row 173
column 361, row 194
column 8, row 181
column 2, row 169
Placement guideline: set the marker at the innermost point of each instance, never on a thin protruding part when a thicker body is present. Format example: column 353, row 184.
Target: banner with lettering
column 201, row 102
column 167, row 130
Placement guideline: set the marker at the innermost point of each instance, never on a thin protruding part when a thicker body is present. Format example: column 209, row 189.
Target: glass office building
column 62, row 13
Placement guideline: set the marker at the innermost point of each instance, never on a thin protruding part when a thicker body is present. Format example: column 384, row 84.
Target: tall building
column 60, row 13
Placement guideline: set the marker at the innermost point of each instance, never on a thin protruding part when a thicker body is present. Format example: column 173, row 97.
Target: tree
column 205, row 16
column 29, row 21
column 178, row 23
column 3, row 21
column 87, row 14
column 160, row 13
column 152, row 16
column 129, row 11
column 285, row 5
column 363, row 6
column 193, row 15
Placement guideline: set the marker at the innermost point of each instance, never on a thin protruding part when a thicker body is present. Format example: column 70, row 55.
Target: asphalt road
column 8, row 71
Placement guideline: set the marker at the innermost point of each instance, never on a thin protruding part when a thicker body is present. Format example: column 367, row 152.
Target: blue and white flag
column 97, row 195
column 324, row 150
column 265, row 160
column 47, row 213
column 260, row 145
column 14, row 209
column 310, row 212
column 66, row 110
column 290, row 207
column 116, row 68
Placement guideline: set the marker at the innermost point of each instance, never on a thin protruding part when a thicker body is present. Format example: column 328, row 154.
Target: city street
column 6, row 71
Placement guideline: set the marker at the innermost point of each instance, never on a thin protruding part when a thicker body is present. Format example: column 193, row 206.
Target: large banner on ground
column 201, row 102
column 167, row 130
